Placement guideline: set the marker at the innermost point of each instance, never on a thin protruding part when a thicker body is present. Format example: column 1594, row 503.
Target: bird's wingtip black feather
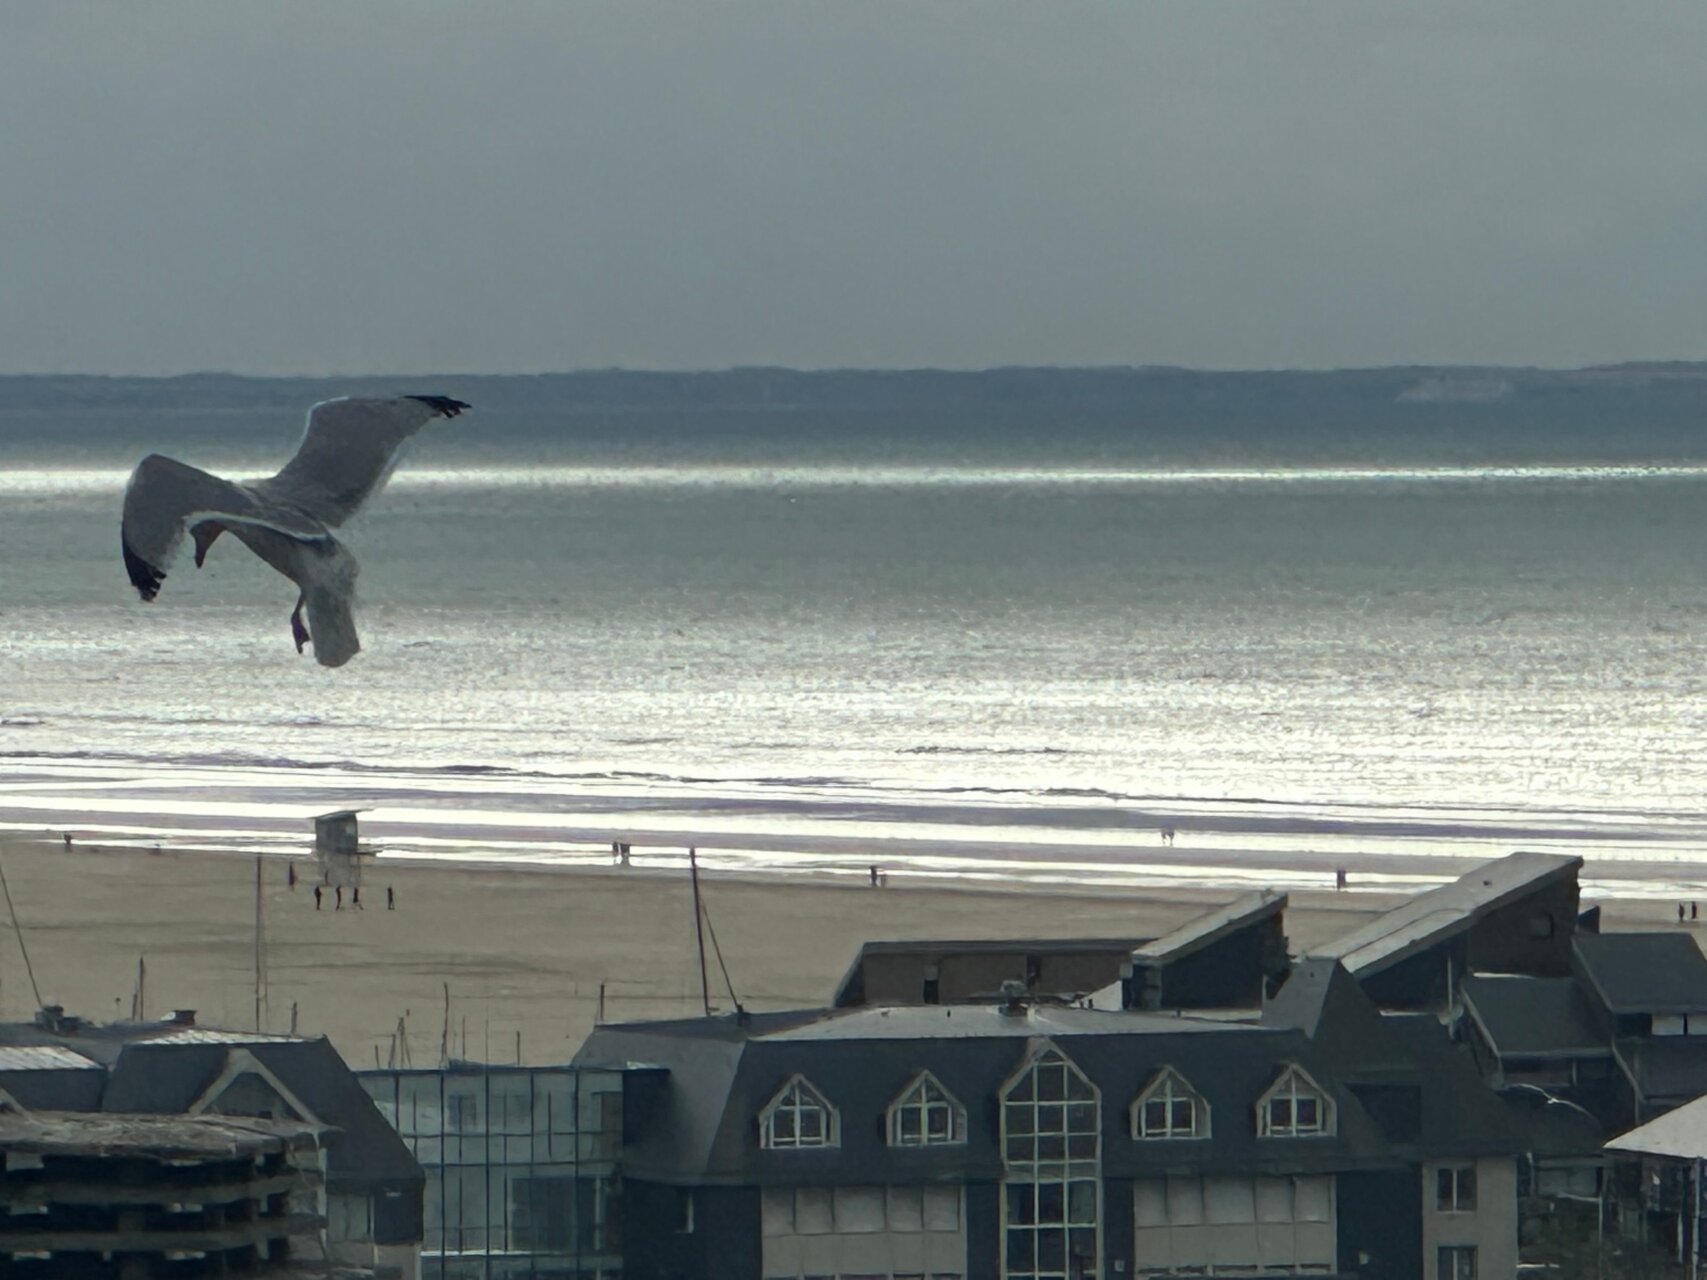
column 444, row 406
column 143, row 576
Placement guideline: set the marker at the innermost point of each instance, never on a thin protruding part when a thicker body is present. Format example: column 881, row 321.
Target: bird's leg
column 299, row 632
column 204, row 534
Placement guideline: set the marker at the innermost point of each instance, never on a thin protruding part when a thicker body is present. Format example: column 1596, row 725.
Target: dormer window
column 926, row 1115
column 1295, row 1106
column 1170, row 1108
column 799, row 1117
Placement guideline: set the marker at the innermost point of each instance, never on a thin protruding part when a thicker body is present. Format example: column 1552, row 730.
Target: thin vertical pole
column 444, row 1038
column 259, row 961
column 1695, row 1222
column 19, row 930
column 699, row 933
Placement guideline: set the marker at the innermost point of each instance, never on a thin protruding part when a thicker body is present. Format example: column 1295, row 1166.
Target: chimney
column 1013, row 998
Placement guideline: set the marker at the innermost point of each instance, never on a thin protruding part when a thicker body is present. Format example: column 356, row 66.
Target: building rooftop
column 1644, row 972
column 851, row 990
column 1681, row 1133
column 1210, row 927
column 43, row 1057
column 1534, row 1017
column 986, row 1021
column 1446, row 911
column 70, row 1133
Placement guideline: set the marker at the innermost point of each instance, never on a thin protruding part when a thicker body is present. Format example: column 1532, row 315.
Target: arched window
column 926, row 1115
column 1170, row 1108
column 1295, row 1106
column 799, row 1117
column 1052, row 1192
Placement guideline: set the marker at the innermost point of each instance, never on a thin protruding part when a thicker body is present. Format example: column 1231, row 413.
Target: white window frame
column 1293, row 1085
column 917, row 1097
column 799, row 1096
column 1170, row 1088
column 1451, row 1178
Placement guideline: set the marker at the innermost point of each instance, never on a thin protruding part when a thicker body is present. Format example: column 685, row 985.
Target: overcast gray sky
column 328, row 186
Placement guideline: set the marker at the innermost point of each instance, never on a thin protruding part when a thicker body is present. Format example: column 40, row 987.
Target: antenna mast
column 260, row 945
column 19, row 930
column 699, row 932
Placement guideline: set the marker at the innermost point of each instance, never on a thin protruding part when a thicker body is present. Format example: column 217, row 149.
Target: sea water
column 971, row 667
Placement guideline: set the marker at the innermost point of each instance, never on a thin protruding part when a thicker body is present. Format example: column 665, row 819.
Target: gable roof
column 1523, row 1017
column 1644, row 972
column 1326, row 1003
column 1446, row 911
column 162, row 1068
column 170, row 1078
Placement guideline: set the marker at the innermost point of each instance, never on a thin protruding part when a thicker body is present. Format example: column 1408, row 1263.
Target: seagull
column 346, row 454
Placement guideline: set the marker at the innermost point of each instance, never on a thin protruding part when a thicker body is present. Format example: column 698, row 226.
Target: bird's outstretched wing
column 165, row 497
column 348, row 451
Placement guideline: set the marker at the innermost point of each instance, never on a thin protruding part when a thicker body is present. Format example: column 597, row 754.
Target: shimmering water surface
column 1020, row 672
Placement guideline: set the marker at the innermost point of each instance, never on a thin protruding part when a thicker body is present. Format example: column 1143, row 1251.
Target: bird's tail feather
column 332, row 626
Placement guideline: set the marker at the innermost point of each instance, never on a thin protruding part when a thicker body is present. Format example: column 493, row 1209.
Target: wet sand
column 524, row 950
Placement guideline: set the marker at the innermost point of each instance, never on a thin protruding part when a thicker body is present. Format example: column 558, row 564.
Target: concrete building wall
column 1490, row 1227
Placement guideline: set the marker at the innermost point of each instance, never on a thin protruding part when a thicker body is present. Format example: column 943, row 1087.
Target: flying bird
column 346, row 454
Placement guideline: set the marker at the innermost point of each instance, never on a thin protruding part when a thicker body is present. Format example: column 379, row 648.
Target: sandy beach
column 523, row 950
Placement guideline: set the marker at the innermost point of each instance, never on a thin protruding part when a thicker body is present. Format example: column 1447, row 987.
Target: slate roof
column 1667, row 1068
column 700, row 1105
column 163, row 1068
column 1644, row 972
column 1460, row 1114
column 1211, row 927
column 1534, row 1017
column 1444, row 912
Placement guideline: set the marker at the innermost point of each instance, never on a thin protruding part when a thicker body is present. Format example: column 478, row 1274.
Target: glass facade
column 521, row 1168
column 1052, row 1200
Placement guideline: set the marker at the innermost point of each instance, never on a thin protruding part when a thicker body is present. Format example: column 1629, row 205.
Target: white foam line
column 49, row 481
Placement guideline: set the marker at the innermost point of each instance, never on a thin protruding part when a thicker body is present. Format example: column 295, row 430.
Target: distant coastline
column 1111, row 416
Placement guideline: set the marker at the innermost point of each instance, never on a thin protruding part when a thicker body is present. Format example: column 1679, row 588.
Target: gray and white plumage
column 345, row 456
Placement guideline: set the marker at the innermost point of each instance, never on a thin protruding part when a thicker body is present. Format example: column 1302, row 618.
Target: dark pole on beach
column 260, row 944
column 699, row 933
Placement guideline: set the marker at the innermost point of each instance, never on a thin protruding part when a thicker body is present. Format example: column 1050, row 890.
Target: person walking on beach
column 290, row 874
column 338, row 898
column 1680, row 913
column 356, row 897
column 390, row 899
column 317, row 897
column 68, row 842
column 1693, row 912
